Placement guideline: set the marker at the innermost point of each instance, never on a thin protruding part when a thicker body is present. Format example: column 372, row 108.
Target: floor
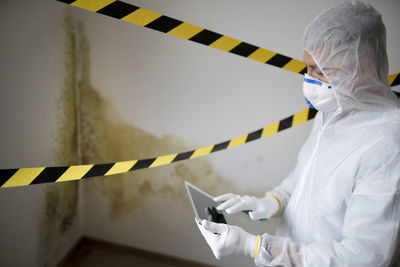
column 91, row 252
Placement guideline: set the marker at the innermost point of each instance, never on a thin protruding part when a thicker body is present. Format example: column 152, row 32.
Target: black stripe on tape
column 243, row 49
column 279, row 60
column 220, row 146
column 396, row 93
column 254, row 135
column 118, row 9
column 183, row 156
column 206, row 37
column 143, row 163
column 49, row 175
column 285, row 123
column 303, row 71
column 98, row 170
column 396, row 80
column 67, row 1
column 164, row 24
column 6, row 174
column 311, row 113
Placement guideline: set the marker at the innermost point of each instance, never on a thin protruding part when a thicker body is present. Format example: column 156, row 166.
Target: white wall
column 161, row 86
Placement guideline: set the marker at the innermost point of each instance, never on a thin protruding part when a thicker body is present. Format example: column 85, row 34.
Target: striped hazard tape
column 153, row 20
column 28, row 176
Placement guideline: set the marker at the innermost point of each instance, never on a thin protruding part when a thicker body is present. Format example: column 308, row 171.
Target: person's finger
column 240, row 206
column 224, row 197
column 258, row 215
column 206, row 234
column 216, row 228
column 227, row 204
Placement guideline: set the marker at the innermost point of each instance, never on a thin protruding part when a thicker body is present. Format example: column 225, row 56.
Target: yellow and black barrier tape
column 29, row 176
column 39, row 175
column 153, row 20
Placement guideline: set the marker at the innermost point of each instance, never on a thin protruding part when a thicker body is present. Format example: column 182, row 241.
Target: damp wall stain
column 60, row 203
column 104, row 137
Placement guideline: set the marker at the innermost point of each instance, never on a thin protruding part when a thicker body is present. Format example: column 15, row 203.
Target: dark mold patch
column 92, row 132
column 60, row 203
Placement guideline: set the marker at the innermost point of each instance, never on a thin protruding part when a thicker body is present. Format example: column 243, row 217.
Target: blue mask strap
column 309, row 103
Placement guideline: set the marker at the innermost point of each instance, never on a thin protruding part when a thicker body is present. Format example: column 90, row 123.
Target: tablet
column 204, row 207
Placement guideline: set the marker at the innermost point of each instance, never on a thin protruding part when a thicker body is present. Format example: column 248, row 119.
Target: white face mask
column 319, row 95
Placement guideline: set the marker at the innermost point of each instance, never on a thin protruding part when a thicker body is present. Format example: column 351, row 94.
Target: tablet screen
column 203, row 204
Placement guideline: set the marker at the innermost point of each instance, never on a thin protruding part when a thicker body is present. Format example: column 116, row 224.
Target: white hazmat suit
column 341, row 204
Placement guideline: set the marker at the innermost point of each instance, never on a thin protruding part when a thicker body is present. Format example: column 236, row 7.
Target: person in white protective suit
column 340, row 206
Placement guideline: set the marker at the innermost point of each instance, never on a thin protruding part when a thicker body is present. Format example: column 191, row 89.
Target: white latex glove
column 260, row 208
column 228, row 240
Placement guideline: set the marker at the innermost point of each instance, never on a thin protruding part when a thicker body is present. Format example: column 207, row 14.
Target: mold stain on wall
column 106, row 138
column 93, row 132
column 59, row 211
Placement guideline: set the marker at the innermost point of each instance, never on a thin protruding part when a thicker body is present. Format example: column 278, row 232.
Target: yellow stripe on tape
column 391, row 77
column 185, row 31
column 225, row 43
column 270, row 129
column 202, row 151
column 92, row 5
column 262, row 55
column 23, row 176
column 74, row 173
column 294, row 65
column 237, row 141
column 300, row 117
column 163, row 160
column 141, row 17
column 121, row 167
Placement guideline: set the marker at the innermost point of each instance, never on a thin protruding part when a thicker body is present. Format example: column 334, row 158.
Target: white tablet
column 202, row 203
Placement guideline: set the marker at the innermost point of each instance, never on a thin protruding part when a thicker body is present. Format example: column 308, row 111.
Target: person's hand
column 228, row 240
column 259, row 208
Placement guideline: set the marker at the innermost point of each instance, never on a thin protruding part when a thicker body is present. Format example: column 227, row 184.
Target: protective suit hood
column 348, row 43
